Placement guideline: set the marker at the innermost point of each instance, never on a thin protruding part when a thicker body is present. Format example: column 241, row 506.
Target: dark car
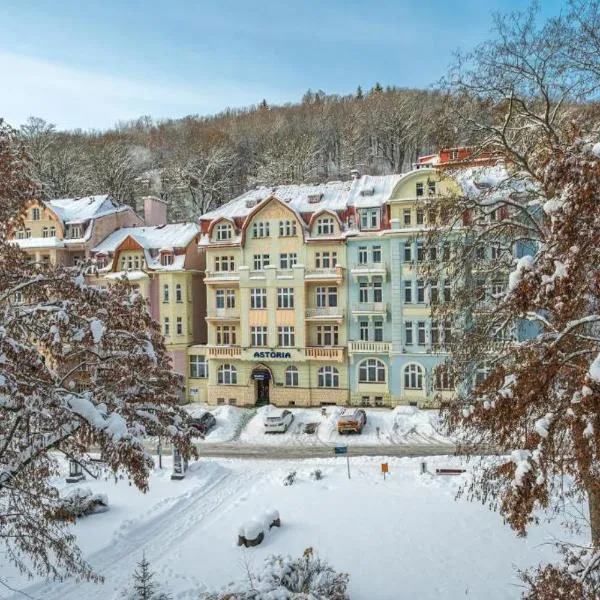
column 202, row 425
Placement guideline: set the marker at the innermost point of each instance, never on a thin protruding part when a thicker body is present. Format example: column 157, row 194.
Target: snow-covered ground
column 406, row 537
column 403, row 425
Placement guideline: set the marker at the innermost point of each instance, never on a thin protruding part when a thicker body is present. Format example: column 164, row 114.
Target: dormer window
column 224, row 231
column 369, row 218
column 35, row 214
column 166, row 259
column 453, row 154
column 75, row 232
column 314, row 198
column 325, row 226
column 260, row 229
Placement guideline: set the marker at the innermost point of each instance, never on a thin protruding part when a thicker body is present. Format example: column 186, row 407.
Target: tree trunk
column 594, row 505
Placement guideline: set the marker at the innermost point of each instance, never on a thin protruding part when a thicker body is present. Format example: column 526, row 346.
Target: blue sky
column 90, row 63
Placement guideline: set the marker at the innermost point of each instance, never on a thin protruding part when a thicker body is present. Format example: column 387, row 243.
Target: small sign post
column 384, row 469
column 343, row 450
column 179, row 466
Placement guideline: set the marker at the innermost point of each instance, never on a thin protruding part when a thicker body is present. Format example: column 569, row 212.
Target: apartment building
column 64, row 231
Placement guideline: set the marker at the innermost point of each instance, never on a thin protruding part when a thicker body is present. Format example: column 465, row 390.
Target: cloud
column 76, row 98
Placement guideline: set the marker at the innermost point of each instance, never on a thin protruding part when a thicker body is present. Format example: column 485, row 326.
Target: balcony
column 363, row 347
column 325, row 313
column 221, row 276
column 330, row 274
column 370, row 308
column 325, row 353
column 224, row 351
column 223, row 314
column 369, row 270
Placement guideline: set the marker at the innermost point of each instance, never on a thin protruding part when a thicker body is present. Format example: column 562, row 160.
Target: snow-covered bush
column 286, row 578
column 80, row 501
column 253, row 532
column 290, row 478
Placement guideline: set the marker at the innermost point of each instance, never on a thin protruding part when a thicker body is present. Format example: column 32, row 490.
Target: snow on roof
column 78, row 210
column 38, row 242
column 370, row 191
column 490, row 184
column 175, row 235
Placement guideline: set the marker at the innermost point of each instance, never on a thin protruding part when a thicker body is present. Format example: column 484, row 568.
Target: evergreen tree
column 359, row 93
column 144, row 587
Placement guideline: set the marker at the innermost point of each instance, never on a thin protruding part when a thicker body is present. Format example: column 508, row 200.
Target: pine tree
column 144, row 587
column 359, row 93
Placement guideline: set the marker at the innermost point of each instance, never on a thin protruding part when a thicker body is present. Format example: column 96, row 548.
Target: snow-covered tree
column 536, row 401
column 81, row 367
column 143, row 585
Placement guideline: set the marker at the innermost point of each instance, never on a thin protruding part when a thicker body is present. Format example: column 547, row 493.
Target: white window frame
column 328, row 377
column 325, row 226
column 258, row 298
column 198, row 366
column 227, row 374
column 258, row 336
column 291, row 376
column 286, row 336
column 372, row 370
column 285, row 297
column 414, row 377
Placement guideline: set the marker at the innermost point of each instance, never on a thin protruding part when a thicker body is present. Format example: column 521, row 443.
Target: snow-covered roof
column 78, row 210
column 175, row 235
column 370, row 191
column 490, row 184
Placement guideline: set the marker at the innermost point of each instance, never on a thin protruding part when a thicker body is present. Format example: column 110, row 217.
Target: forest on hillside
column 196, row 163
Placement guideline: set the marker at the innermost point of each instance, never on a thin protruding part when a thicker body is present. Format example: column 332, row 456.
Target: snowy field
column 404, row 425
column 405, row 537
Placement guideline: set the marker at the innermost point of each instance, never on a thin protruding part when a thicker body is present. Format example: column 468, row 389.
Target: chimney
column 354, row 173
column 155, row 211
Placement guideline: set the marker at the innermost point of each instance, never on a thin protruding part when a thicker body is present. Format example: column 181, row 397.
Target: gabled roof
column 78, row 210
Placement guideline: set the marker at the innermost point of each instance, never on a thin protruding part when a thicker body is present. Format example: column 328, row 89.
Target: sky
column 89, row 64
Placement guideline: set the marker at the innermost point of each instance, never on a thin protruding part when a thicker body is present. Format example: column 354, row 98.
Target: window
column 258, row 335
column 408, row 287
column 447, row 290
column 326, row 296
column 258, row 298
column 378, row 331
column 325, row 260
column 446, row 249
column 224, row 263
column 179, row 325
column 227, row 375
column 431, row 188
column 407, row 219
column 225, row 298
column 407, row 252
column 369, row 219
column 165, row 292
column 224, row 231
column 419, row 189
column 413, row 377
column 496, row 252
column 35, row 214
column 364, row 331
column 371, row 370
column 287, row 228
column 328, row 377
column 45, row 232
column 443, row 378
column 363, row 291
column 260, row 229
column 261, row 261
column 167, row 327
column 420, row 215
column 27, row 232
column 287, row 260
column 480, row 252
column 432, row 253
column 408, row 333
column 178, row 293
column 420, row 291
column 325, row 226
column 291, row 377
column 285, row 297
column 363, row 257
column 365, row 400
column 434, row 293
column 166, row 259
column 285, row 336
column 420, row 252
column 435, row 334
column 482, row 372
column 376, row 254
column 447, row 332
column 497, row 289
column 327, row 335
column 226, row 335
column 377, row 291
column 52, row 231
column 198, row 367
column 421, row 333
column 18, row 297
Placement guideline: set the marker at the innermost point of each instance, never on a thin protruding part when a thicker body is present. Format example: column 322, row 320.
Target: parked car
column 278, row 423
column 202, row 425
column 352, row 422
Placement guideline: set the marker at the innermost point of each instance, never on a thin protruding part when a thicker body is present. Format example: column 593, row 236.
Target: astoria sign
column 272, row 354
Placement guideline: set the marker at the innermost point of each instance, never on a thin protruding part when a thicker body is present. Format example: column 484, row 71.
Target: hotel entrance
column 261, row 377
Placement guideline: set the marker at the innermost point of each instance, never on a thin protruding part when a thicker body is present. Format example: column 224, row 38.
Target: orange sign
column 384, row 468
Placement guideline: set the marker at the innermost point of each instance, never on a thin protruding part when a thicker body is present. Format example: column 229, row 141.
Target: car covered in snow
column 202, row 425
column 352, row 421
column 278, row 422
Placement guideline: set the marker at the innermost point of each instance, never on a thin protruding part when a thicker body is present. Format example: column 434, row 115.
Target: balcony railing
column 325, row 353
column 324, row 312
column 369, row 347
column 223, row 313
column 369, row 308
column 327, row 273
column 222, row 275
column 369, row 267
column 224, row 351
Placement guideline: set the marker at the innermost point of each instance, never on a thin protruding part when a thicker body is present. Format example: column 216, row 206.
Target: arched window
column 413, row 377
column 482, row 372
column 329, row 377
column 291, row 377
column 44, row 232
column 227, row 375
column 27, row 233
column 371, row 370
column 53, row 231
column 178, row 293
column 443, row 378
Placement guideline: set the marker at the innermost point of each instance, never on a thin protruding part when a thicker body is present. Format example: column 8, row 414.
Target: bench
column 448, row 471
